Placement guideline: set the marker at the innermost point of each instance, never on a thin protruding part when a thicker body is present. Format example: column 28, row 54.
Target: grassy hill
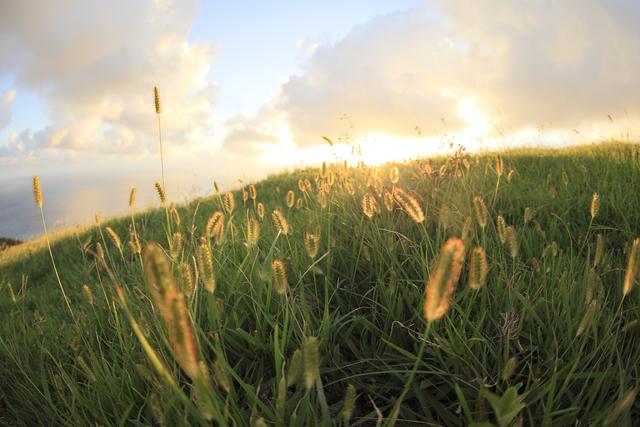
column 6, row 243
column 155, row 338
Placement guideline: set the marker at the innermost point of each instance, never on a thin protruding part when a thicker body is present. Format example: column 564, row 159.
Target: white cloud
column 94, row 63
column 5, row 108
column 560, row 64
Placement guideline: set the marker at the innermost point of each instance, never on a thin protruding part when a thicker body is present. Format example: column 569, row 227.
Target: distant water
column 73, row 199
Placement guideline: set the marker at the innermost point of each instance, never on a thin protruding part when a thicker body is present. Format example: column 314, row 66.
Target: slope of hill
column 6, row 243
column 303, row 302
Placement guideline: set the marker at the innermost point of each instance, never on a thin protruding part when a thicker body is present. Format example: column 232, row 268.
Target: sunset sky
column 254, row 85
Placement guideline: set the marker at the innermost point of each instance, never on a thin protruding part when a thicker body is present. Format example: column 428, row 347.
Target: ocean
column 74, row 199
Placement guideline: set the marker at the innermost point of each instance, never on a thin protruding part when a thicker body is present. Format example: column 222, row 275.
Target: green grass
column 362, row 297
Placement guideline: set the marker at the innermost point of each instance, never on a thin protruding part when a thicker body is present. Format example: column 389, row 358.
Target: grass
column 7, row 243
column 548, row 340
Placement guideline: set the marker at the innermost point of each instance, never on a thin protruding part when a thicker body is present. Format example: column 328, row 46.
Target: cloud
column 5, row 107
column 519, row 64
column 95, row 63
column 249, row 134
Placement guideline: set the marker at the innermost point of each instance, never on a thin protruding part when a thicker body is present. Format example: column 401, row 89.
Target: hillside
column 547, row 339
column 7, row 243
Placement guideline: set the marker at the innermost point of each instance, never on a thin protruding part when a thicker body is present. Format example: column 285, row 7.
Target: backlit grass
column 300, row 300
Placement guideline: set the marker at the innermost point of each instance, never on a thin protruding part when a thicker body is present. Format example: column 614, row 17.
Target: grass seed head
column 205, row 267
column 279, row 274
column 323, row 198
column 331, row 178
column 394, row 175
column 499, row 166
column 253, row 231
column 169, row 300
column 280, row 222
column 528, row 215
column 467, row 228
column 186, row 278
column 409, row 204
column 478, row 268
column 161, row 194
column 99, row 250
column 501, row 226
column 444, row 217
column 388, row 201
column 312, row 244
column 229, row 202
column 349, row 404
column 260, row 209
column 177, row 245
column 88, row 294
column 37, row 191
column 595, row 205
column 221, row 376
column 134, row 244
column 369, row 205
column 623, row 406
column 295, row 368
column 633, row 266
column 511, row 239
column 482, row 214
column 587, row 316
column 156, row 100
column 113, row 236
column 599, row 251
column 132, row 197
column 252, row 192
column 311, row 360
column 175, row 215
column 594, row 285
column 290, row 198
column 442, row 282
column 215, row 225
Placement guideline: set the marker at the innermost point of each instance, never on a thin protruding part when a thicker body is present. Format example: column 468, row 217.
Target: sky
column 251, row 87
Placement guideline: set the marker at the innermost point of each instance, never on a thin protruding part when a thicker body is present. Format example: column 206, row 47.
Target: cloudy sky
column 252, row 86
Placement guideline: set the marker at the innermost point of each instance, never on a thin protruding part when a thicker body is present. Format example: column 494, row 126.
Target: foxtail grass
column 37, row 194
column 440, row 287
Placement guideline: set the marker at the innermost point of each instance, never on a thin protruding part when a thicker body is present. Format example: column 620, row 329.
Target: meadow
column 492, row 290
